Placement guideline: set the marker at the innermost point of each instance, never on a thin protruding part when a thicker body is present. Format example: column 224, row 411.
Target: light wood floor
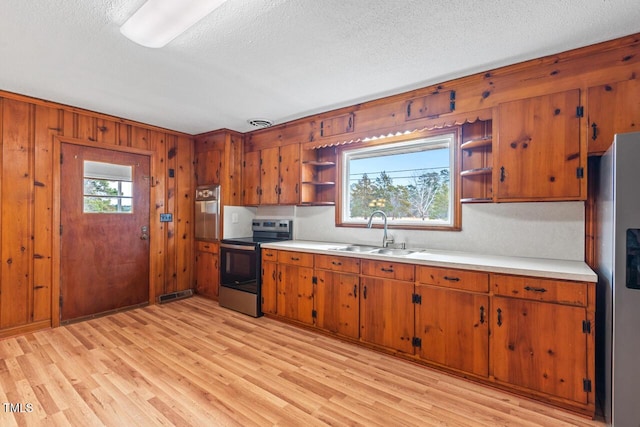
column 192, row 363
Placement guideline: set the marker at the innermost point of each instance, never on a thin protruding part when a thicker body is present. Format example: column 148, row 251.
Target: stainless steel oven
column 240, row 288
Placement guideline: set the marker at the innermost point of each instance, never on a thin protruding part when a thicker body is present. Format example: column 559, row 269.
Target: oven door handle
column 239, row 247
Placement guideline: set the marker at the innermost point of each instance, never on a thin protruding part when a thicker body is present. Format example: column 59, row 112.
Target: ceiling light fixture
column 157, row 22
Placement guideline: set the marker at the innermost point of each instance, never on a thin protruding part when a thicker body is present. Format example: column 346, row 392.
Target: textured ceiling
column 281, row 59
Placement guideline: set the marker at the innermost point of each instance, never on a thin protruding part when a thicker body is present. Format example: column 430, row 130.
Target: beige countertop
column 537, row 267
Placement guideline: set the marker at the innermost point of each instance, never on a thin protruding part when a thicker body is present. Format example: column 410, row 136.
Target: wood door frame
column 56, row 240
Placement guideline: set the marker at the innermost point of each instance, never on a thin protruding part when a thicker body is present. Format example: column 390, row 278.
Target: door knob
column 144, row 230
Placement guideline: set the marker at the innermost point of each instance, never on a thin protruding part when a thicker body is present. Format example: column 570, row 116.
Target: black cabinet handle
column 293, row 258
column 364, row 292
column 274, row 275
column 387, row 270
column 502, row 174
column 355, row 291
column 452, row 279
column 481, row 314
column 533, row 289
column 336, row 263
column 499, row 317
column 594, row 136
column 280, row 276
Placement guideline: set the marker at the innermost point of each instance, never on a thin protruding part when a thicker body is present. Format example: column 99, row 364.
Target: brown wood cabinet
column 294, row 298
column 336, row 302
column 538, row 155
column 452, row 318
column 541, row 342
column 208, row 165
column 207, row 269
column 612, row 108
column 269, row 286
column 272, row 176
column 387, row 313
column 541, row 338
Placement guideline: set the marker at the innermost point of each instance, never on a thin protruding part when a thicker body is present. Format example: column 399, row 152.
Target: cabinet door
column 269, row 287
column 612, row 108
column 386, row 313
column 336, row 300
column 270, row 176
column 208, row 165
column 454, row 328
column 207, row 274
column 295, row 293
column 289, row 191
column 540, row 346
column 251, row 178
column 539, row 152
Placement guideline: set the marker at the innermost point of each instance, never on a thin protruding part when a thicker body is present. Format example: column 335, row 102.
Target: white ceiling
column 281, row 59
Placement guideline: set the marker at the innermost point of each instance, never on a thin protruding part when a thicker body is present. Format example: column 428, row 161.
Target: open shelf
column 476, row 162
column 318, row 177
column 477, row 143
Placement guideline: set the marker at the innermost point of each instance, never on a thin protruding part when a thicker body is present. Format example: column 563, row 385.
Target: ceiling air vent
column 260, row 123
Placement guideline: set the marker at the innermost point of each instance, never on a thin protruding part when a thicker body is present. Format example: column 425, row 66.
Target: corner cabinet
column 538, row 154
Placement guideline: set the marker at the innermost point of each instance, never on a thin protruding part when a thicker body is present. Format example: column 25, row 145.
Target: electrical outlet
column 234, row 218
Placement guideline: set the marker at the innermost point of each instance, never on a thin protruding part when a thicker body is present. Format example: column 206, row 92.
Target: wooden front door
column 104, row 218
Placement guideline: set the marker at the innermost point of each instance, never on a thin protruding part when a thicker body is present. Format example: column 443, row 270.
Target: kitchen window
column 412, row 181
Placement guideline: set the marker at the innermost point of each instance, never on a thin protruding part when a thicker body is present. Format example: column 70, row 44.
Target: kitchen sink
column 357, row 248
column 392, row 251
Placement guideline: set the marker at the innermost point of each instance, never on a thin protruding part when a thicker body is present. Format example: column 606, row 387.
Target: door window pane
column 108, row 188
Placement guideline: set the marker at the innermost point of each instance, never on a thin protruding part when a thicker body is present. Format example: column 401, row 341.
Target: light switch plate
column 166, row 217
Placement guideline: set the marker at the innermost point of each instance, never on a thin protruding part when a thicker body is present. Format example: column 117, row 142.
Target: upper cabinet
column 208, row 165
column 612, row 108
column 538, row 154
column 432, row 105
column 272, row 176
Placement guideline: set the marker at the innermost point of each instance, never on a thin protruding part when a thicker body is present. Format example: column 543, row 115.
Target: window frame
column 456, row 208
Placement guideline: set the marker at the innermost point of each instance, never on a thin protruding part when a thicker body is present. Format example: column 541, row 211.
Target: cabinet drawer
column 295, row 258
column 270, row 255
column 457, row 279
column 388, row 270
column 337, row 263
column 207, row 247
column 533, row 288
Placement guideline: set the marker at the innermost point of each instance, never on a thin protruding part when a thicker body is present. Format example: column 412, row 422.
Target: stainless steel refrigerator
column 618, row 295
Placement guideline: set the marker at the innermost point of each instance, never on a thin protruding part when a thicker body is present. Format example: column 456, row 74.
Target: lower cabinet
column 533, row 336
column 386, row 313
column 540, row 346
column 294, row 299
column 269, row 286
column 207, row 271
column 452, row 318
column 453, row 328
column 337, row 302
column 542, row 338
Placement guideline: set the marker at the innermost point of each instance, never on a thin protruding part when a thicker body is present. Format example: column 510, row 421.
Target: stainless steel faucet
column 385, row 239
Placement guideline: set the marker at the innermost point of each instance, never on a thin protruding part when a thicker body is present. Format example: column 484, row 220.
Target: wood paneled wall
column 29, row 223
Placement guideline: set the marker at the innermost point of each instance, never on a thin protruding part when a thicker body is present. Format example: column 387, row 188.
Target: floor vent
column 173, row 296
